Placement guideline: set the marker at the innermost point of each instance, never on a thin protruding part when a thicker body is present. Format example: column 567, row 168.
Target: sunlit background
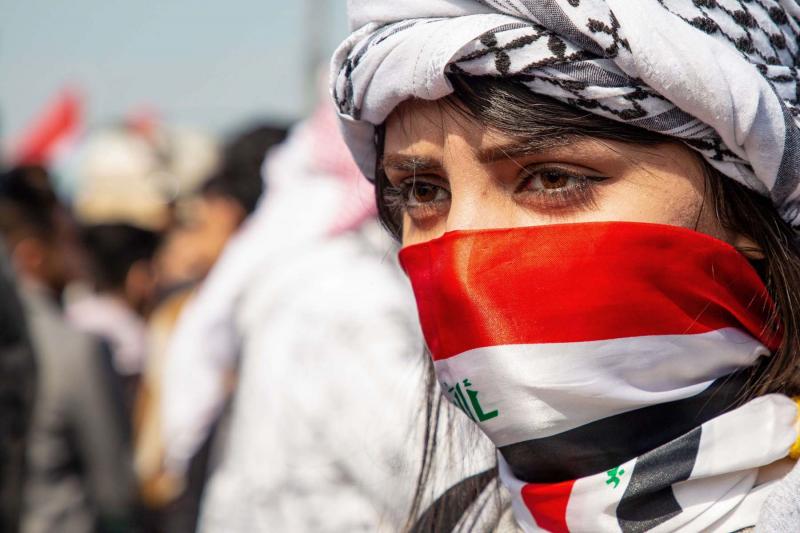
column 200, row 63
column 146, row 149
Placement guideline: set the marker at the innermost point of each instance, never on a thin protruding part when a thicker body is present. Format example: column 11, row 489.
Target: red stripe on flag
column 580, row 282
column 547, row 503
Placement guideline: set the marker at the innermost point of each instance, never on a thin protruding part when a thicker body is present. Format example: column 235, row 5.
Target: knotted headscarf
column 720, row 75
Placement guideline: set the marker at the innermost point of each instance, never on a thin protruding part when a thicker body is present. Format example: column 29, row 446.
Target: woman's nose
column 477, row 207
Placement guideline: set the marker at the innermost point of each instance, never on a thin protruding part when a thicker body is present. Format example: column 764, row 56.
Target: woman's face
column 450, row 173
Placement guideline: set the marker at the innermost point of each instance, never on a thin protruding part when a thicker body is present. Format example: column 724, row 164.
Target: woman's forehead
column 430, row 122
column 421, row 134
column 426, row 126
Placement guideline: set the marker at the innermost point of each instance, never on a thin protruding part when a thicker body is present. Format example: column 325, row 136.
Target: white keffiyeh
column 720, row 75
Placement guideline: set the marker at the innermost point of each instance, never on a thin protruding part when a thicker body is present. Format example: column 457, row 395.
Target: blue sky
column 213, row 65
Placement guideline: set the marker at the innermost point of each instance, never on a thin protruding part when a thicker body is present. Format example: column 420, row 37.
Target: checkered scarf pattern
column 720, row 75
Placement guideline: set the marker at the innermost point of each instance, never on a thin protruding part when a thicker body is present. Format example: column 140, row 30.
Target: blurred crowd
column 202, row 336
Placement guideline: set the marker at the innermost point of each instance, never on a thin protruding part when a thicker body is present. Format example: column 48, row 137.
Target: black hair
column 239, row 175
column 113, row 249
column 27, row 203
column 505, row 105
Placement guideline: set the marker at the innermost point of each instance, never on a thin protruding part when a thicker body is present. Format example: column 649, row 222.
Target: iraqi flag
column 599, row 359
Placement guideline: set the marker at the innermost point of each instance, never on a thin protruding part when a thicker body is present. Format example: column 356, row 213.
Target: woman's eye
column 420, row 192
column 421, row 200
column 551, row 188
column 551, row 180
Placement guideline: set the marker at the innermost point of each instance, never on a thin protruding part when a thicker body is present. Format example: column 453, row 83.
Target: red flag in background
column 51, row 132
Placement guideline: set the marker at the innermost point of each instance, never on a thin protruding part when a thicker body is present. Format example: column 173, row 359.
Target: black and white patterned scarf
column 720, row 75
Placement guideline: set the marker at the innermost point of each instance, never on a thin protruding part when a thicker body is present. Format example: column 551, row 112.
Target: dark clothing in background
column 17, row 386
column 80, row 475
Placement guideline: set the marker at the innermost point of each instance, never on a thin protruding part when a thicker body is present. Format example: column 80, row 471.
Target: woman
column 596, row 200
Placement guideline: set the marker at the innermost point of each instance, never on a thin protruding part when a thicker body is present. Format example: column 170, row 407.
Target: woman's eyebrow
column 514, row 150
column 411, row 163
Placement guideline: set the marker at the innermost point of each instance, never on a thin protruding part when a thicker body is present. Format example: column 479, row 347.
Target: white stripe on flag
column 566, row 385
column 728, row 442
column 728, row 458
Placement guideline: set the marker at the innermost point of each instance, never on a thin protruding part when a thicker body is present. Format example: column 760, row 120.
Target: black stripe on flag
column 607, row 443
column 648, row 500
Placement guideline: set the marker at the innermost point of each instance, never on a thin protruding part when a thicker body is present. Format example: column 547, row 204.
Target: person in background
column 79, row 476
column 206, row 221
column 17, row 390
column 132, row 177
column 119, row 258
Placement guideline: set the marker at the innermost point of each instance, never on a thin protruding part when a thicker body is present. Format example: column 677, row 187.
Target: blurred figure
column 205, row 223
column 119, row 258
column 126, row 181
column 129, row 183
column 207, row 219
column 79, row 470
column 135, row 173
column 17, row 388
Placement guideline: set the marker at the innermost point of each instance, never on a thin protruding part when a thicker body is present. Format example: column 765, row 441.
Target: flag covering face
column 605, row 360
